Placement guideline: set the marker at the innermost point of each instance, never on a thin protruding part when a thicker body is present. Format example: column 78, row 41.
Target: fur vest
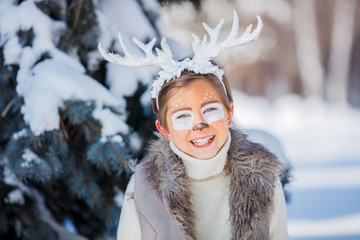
column 163, row 196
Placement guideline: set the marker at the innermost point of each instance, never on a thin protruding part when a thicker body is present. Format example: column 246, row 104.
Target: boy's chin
column 205, row 154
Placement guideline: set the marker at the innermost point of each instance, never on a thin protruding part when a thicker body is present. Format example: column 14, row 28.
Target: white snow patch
column 93, row 59
column 29, row 157
column 268, row 141
column 145, row 98
column 130, row 22
column 111, row 123
column 151, row 5
column 108, row 30
column 51, row 83
column 135, row 141
column 128, row 17
column 341, row 226
column 117, row 138
column 20, row 134
column 309, row 129
column 48, row 84
column 15, row 197
column 123, row 81
column 69, row 226
column 326, row 178
column 9, row 177
column 24, row 17
column 119, row 198
column 12, row 50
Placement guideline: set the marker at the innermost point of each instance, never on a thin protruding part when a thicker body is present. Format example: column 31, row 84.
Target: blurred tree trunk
column 354, row 79
column 307, row 48
column 340, row 50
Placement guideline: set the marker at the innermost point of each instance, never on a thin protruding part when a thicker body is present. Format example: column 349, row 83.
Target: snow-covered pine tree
column 69, row 121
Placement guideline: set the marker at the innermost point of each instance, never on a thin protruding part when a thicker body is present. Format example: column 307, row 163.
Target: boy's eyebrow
column 181, row 109
column 188, row 108
column 209, row 102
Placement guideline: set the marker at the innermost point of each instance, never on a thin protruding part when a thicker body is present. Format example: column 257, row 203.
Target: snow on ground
column 310, row 129
column 322, row 142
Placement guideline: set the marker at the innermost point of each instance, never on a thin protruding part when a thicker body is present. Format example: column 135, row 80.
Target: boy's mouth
column 201, row 142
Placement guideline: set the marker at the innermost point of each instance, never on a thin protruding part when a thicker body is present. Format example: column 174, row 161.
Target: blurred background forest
column 310, row 48
column 70, row 122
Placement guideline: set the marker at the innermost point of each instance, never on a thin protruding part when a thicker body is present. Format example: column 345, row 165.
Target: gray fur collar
column 252, row 170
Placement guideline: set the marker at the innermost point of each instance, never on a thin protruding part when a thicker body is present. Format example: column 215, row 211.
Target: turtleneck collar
column 202, row 169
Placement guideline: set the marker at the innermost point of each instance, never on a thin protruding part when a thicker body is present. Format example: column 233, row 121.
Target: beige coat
column 163, row 197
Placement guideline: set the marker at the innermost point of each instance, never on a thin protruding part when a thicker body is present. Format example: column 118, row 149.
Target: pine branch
column 151, row 18
column 7, row 108
column 106, row 166
column 63, row 127
column 78, row 5
column 93, row 126
column 50, row 163
column 39, row 170
column 95, row 197
column 196, row 3
column 123, row 163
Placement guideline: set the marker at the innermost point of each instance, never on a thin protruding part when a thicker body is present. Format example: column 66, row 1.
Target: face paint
column 199, row 110
column 213, row 112
column 182, row 120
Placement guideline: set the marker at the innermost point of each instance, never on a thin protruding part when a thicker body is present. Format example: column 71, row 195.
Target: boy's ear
column 231, row 113
column 162, row 130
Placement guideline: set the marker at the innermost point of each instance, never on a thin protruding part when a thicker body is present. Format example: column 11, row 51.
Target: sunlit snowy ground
column 322, row 142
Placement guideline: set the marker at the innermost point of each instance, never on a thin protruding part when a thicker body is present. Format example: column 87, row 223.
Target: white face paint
column 182, row 120
column 213, row 112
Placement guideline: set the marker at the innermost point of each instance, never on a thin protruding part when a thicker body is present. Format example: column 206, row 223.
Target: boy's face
column 197, row 120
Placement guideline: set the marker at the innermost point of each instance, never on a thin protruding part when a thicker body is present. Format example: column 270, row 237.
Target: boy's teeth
column 200, row 142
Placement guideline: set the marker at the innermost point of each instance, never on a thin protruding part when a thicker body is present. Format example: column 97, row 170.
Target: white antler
column 204, row 50
column 164, row 56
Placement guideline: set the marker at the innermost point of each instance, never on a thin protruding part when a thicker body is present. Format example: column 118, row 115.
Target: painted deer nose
column 200, row 126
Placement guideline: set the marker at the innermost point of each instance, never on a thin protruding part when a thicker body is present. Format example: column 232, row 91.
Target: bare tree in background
column 307, row 47
column 340, row 50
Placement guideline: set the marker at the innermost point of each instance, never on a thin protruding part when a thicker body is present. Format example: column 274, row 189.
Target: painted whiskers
column 204, row 51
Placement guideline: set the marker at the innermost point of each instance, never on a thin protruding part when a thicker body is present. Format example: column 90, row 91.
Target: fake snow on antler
column 204, row 52
column 164, row 56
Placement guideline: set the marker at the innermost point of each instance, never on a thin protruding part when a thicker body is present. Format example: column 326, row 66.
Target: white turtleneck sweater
column 210, row 189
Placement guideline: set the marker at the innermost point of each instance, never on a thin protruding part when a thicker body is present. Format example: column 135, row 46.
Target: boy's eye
column 213, row 112
column 182, row 120
column 182, row 116
column 210, row 109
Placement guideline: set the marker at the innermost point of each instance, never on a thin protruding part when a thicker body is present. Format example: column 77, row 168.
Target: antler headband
column 204, row 51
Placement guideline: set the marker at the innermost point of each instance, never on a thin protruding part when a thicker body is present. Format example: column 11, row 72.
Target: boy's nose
column 200, row 126
column 200, row 123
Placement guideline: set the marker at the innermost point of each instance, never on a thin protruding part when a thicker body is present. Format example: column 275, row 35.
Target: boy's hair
column 186, row 78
